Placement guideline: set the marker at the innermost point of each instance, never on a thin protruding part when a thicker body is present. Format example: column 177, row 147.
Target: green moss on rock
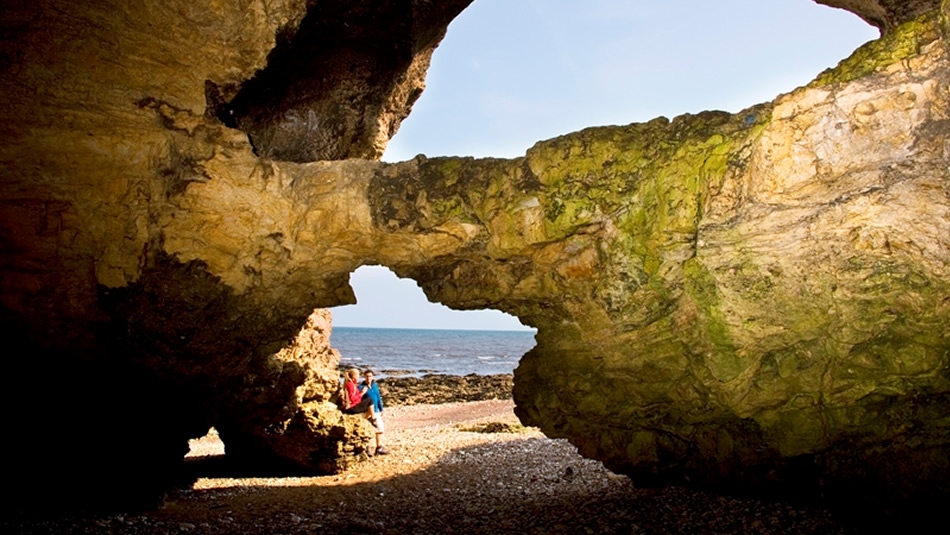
column 901, row 43
column 722, row 359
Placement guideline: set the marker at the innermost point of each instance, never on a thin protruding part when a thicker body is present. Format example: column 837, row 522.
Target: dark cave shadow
column 224, row 467
column 455, row 496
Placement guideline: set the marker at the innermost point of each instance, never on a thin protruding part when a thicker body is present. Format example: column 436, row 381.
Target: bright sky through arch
column 512, row 72
column 385, row 300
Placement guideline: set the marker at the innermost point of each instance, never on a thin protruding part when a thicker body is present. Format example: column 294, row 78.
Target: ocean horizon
column 392, row 351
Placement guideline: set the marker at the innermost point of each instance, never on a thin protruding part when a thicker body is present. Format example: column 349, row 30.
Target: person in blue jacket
column 371, row 390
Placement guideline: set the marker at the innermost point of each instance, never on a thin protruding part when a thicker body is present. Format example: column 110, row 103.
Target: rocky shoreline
column 434, row 389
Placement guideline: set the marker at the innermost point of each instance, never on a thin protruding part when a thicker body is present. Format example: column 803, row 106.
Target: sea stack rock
column 752, row 302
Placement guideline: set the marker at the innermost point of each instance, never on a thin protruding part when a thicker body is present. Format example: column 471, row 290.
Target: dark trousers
column 362, row 406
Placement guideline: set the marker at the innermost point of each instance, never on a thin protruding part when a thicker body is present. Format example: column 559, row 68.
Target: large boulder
column 749, row 302
column 309, row 433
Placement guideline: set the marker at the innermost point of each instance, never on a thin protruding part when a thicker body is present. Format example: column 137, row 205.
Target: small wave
column 456, row 353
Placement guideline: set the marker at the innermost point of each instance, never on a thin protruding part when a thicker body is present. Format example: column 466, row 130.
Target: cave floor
column 444, row 476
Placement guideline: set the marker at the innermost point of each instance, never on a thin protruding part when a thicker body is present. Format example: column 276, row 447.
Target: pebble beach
column 458, row 467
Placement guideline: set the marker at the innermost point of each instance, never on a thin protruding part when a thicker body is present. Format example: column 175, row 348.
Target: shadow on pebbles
column 466, row 467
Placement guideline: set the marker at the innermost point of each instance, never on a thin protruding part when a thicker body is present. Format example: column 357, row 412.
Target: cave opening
column 396, row 330
column 398, row 333
column 78, row 226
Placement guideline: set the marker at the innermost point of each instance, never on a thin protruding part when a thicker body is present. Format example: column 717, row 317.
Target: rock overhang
column 884, row 14
column 639, row 252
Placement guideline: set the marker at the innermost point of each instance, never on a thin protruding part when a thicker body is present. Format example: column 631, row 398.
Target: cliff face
column 757, row 300
column 750, row 301
column 776, row 300
column 113, row 111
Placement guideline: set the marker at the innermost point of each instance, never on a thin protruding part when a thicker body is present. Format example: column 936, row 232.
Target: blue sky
column 512, row 72
column 385, row 300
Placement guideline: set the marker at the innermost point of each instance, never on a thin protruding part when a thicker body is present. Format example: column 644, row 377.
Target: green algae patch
column 660, row 167
column 902, row 42
column 722, row 360
column 496, row 427
column 651, row 181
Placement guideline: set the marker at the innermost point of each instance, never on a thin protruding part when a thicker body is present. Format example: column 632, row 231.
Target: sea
column 416, row 352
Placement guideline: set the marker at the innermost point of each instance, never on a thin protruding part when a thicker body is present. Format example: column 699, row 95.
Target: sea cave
column 754, row 302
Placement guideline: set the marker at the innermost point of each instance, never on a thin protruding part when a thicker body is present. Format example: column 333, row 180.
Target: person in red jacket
column 353, row 400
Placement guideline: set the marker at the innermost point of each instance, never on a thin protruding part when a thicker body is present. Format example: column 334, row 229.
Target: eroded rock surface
column 751, row 301
column 111, row 114
column 339, row 84
column 757, row 300
column 309, row 432
column 435, row 389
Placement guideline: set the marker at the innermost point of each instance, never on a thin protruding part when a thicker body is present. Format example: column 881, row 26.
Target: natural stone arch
column 385, row 300
column 165, row 261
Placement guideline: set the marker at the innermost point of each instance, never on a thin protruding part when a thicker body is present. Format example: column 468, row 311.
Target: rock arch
column 744, row 301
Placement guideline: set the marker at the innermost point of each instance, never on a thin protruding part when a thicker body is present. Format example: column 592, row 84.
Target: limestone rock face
column 339, row 85
column 776, row 303
column 110, row 115
column 754, row 302
column 311, row 351
column 310, row 433
column 751, row 301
